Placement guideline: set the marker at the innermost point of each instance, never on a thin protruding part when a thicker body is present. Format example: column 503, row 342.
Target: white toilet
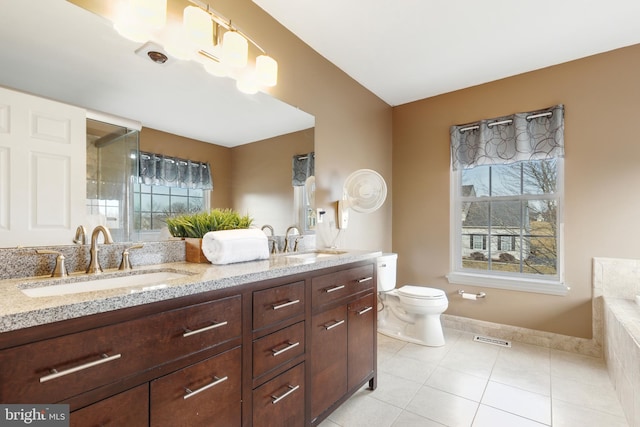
column 410, row 313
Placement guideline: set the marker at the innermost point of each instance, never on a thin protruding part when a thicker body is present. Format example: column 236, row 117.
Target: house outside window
column 506, row 212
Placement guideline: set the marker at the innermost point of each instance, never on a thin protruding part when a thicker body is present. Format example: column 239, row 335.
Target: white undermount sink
column 314, row 255
column 141, row 282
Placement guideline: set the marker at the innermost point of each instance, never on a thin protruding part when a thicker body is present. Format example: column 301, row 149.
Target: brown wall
column 261, row 178
column 601, row 95
column 252, row 178
column 353, row 126
column 155, row 141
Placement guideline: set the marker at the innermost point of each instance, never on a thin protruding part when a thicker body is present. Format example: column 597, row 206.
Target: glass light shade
column 198, row 26
column 151, row 12
column 266, row 70
column 136, row 19
column 235, row 49
column 247, row 82
column 177, row 43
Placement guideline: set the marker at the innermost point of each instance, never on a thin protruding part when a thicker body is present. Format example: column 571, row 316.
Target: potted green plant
column 192, row 227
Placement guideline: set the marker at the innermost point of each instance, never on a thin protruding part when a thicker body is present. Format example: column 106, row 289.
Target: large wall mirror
column 57, row 50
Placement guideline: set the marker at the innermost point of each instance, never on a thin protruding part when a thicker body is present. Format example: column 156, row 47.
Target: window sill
column 512, row 284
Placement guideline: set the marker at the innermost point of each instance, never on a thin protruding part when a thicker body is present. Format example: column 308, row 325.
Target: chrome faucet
column 94, row 265
column 271, row 238
column 286, row 239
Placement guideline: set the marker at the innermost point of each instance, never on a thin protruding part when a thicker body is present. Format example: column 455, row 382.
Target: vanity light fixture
column 203, row 36
column 137, row 19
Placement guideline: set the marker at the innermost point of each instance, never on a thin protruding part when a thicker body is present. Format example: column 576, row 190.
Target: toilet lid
column 421, row 292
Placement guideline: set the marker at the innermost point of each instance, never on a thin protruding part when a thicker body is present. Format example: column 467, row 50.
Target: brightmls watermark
column 34, row 415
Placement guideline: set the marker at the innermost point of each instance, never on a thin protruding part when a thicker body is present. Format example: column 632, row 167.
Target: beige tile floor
column 470, row 384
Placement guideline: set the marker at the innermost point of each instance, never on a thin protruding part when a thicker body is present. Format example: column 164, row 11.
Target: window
column 168, row 186
column 506, row 212
column 153, row 203
column 478, row 242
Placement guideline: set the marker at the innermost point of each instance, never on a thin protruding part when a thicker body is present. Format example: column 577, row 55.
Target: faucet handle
column 125, row 264
column 60, row 270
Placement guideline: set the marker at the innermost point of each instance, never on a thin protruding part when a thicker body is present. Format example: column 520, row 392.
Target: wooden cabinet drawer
column 204, row 394
column 129, row 408
column 277, row 348
column 56, row 369
column 194, row 328
column 335, row 286
column 280, row 402
column 273, row 305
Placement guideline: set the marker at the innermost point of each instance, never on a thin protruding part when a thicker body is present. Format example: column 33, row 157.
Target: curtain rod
column 507, row 122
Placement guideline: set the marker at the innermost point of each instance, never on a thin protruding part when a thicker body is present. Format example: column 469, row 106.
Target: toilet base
column 423, row 330
column 400, row 336
column 397, row 333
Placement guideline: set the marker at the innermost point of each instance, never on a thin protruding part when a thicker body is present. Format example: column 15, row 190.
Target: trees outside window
column 509, row 214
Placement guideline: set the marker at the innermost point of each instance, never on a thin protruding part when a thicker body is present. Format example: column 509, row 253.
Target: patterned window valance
column 156, row 169
column 536, row 135
column 303, row 167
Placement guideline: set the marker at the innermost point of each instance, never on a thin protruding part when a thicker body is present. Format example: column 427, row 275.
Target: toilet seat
column 421, row 292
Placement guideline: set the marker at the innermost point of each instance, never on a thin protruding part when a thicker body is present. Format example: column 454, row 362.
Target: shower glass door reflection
column 112, row 167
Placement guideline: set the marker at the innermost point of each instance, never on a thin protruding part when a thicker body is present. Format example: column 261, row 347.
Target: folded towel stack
column 229, row 246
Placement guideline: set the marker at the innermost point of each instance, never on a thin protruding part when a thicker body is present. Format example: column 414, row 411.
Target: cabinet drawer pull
column 288, row 347
column 277, row 399
column 191, row 393
column 365, row 279
column 333, row 325
column 364, row 310
column 55, row 374
column 189, row 332
column 333, row 289
column 286, row 304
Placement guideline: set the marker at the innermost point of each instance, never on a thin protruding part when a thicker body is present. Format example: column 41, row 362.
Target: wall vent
column 494, row 341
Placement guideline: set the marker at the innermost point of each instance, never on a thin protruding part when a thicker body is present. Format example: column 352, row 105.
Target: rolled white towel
column 229, row 246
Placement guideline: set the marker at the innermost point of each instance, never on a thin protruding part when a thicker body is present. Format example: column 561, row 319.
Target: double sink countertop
column 18, row 310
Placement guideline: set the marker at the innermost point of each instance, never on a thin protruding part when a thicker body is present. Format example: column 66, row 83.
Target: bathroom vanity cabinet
column 343, row 325
column 284, row 351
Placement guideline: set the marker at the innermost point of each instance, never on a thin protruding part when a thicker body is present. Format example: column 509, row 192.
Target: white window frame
column 554, row 285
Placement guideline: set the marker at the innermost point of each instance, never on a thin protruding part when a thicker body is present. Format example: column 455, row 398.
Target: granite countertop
column 18, row 311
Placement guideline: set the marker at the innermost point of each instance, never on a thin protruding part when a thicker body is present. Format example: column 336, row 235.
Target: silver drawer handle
column 191, row 393
column 365, row 279
column 55, row 374
column 338, row 323
column 288, row 347
column 277, row 399
column 335, row 288
column 286, row 304
column 364, row 310
column 188, row 332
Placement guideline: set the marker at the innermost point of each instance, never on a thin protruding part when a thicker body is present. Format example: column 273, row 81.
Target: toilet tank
column 386, row 272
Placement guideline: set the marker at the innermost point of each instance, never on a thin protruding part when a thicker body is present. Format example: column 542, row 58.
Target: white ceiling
column 405, row 50
column 401, row 50
column 57, row 50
